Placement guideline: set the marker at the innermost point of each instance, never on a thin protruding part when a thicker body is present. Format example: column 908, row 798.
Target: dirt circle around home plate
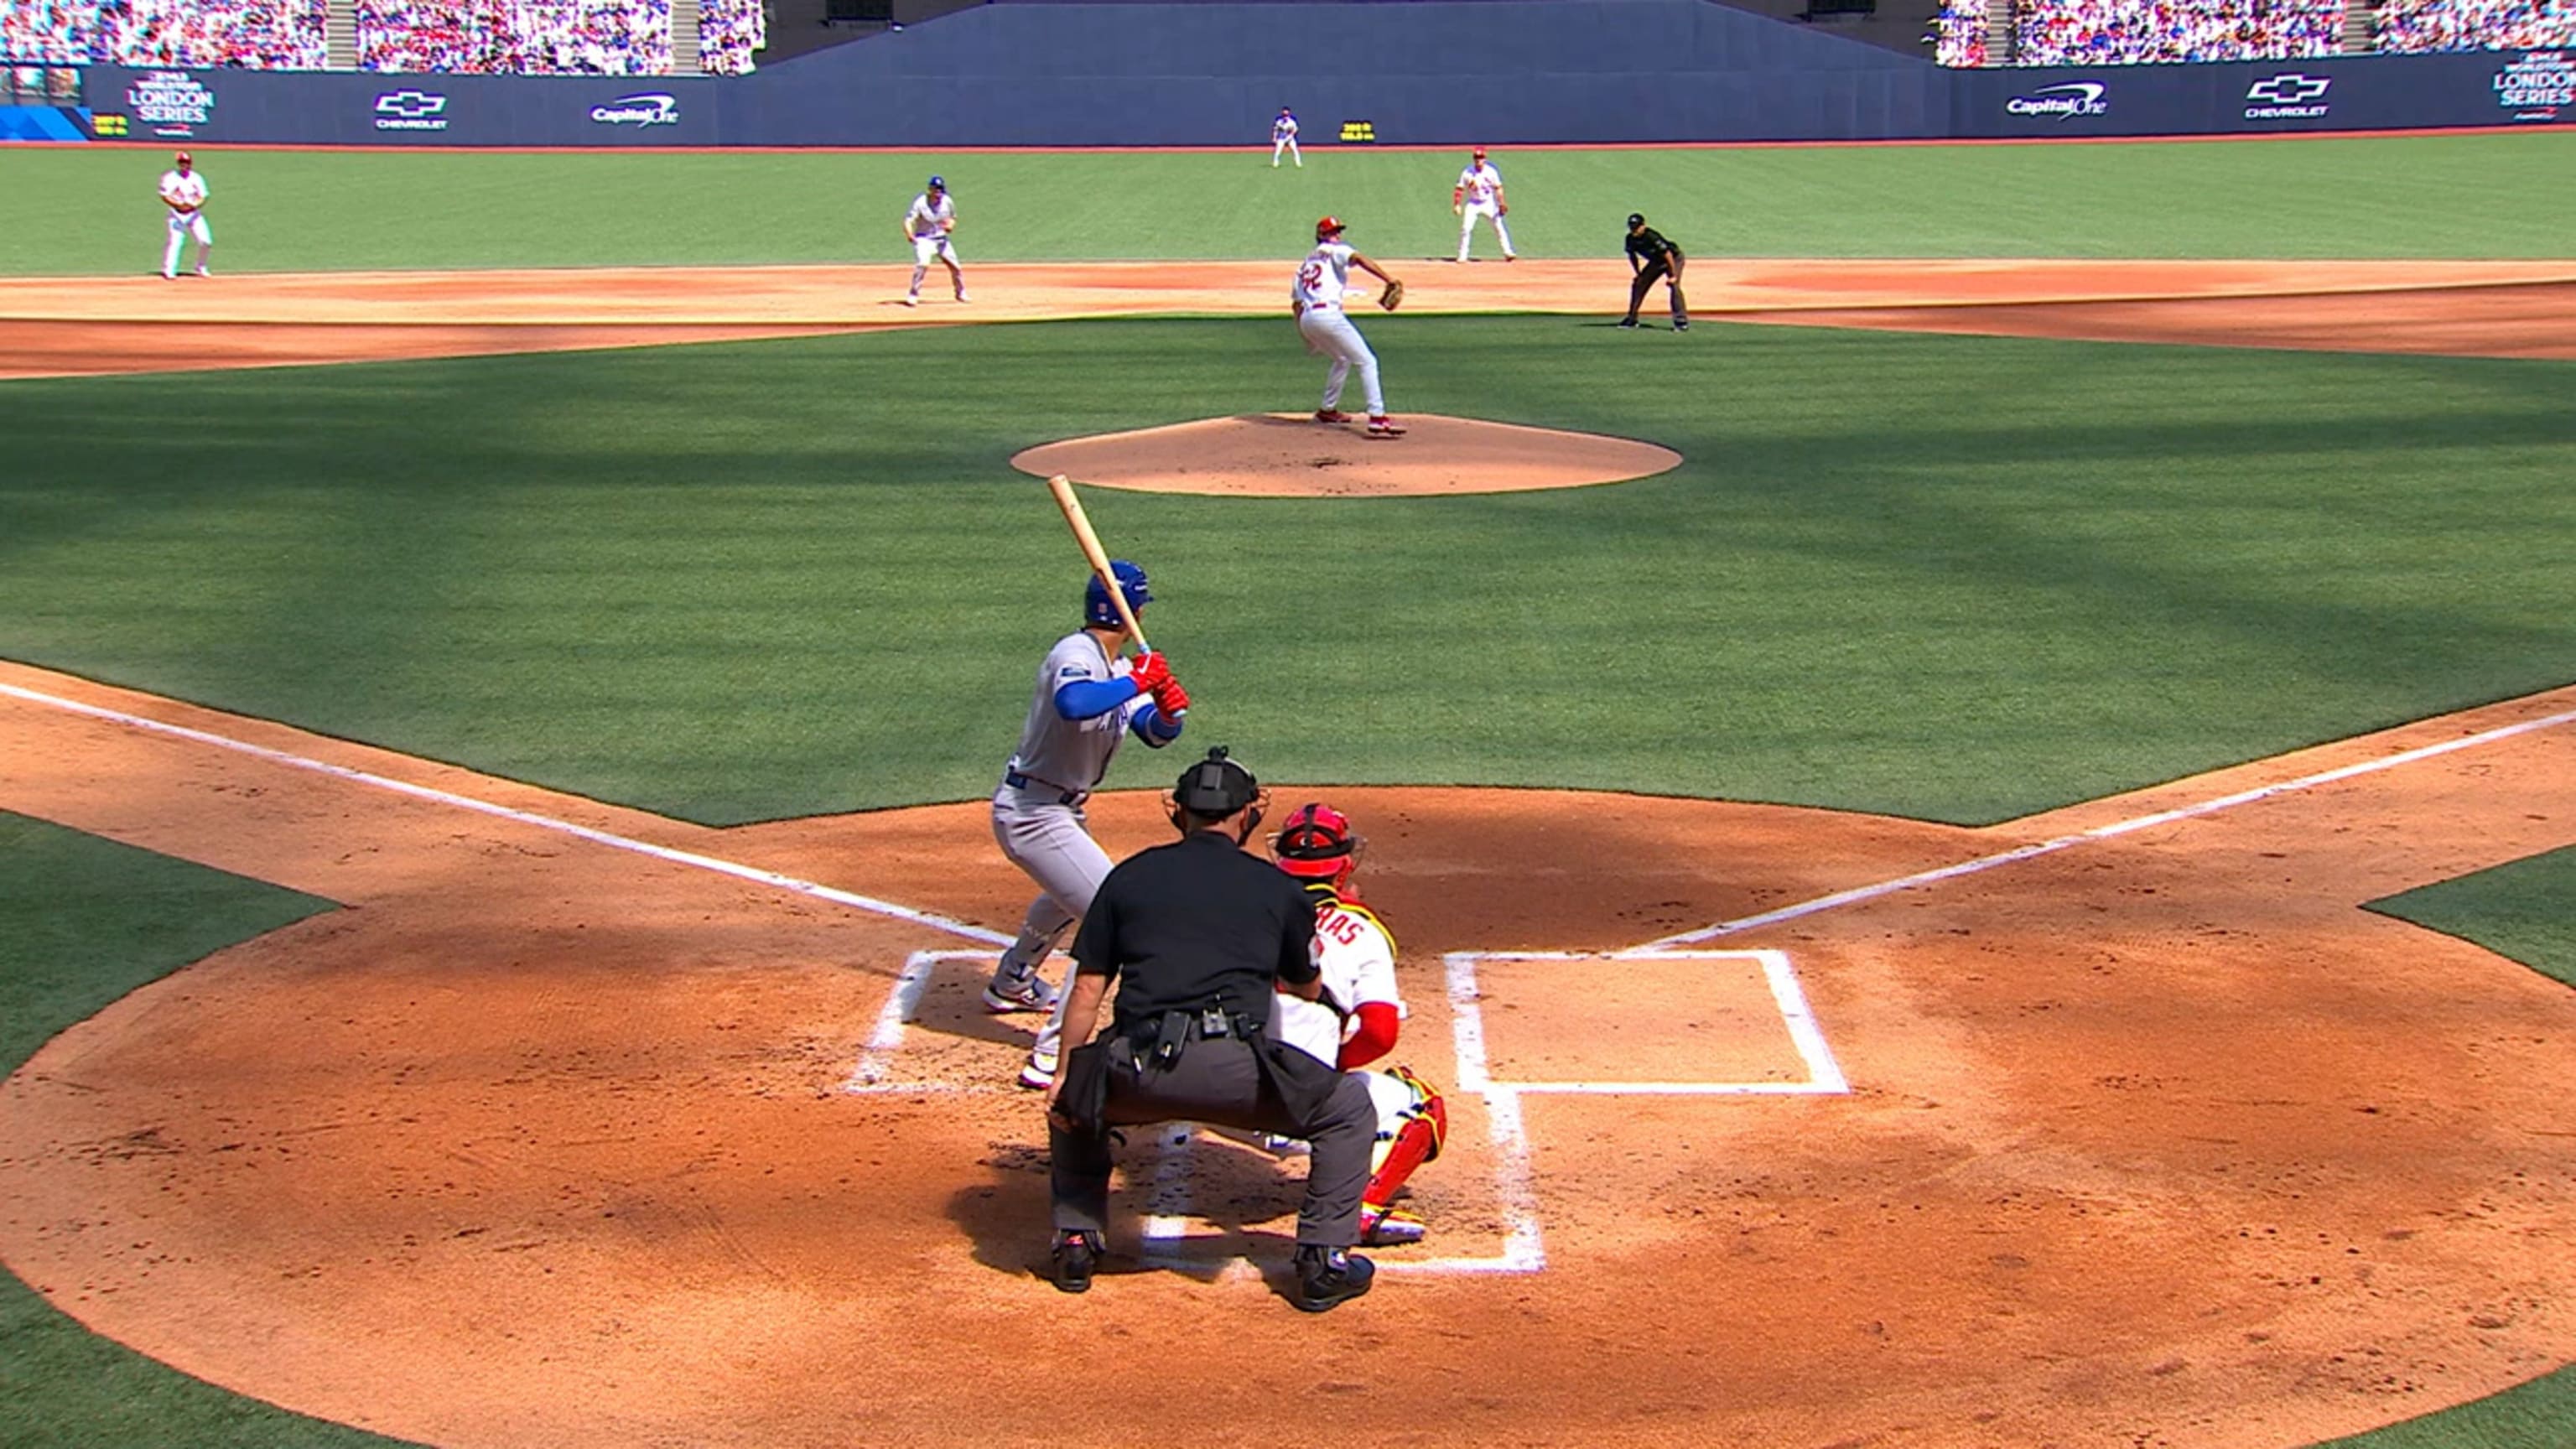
column 1292, row 455
column 2156, row 1140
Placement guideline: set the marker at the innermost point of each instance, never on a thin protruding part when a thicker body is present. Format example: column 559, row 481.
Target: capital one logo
column 2065, row 102
column 2290, row 89
column 651, row 109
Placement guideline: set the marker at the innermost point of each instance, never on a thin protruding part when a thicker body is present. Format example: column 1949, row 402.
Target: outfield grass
column 91, row 210
column 82, row 922
column 1952, row 578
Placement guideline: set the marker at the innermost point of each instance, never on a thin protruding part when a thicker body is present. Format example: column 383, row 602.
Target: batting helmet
column 1215, row 787
column 1096, row 608
column 1329, row 226
column 1316, row 843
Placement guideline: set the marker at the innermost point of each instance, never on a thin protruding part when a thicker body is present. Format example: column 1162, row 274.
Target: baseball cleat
column 1682, row 325
column 201, row 271
column 1028, row 993
column 1074, row 1256
column 1328, row 1277
column 913, row 301
column 961, row 294
column 1384, row 427
column 1332, row 415
column 1628, row 322
column 1038, row 1073
column 1391, row 1227
column 169, row 276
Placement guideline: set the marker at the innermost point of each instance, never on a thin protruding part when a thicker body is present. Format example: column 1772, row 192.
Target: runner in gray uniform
column 1088, row 699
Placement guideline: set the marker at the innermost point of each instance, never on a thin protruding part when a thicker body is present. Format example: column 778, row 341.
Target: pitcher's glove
column 1392, row 297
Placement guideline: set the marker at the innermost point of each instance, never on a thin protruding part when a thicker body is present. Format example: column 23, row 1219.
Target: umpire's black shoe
column 1330, row 1276
column 1075, row 1255
column 1627, row 321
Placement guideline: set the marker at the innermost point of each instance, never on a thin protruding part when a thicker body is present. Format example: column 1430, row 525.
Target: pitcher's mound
column 1285, row 455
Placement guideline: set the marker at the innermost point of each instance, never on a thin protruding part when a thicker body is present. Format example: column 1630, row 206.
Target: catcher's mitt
column 1392, row 297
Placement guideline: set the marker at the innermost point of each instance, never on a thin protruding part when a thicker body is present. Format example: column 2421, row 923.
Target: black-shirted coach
column 1198, row 933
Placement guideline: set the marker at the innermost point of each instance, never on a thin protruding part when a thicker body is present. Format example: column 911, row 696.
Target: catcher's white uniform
column 1355, row 961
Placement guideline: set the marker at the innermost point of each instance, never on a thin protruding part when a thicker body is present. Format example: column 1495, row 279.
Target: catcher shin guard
column 1415, row 1142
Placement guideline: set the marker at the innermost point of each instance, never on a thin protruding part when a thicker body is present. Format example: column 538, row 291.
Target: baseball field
column 2015, row 894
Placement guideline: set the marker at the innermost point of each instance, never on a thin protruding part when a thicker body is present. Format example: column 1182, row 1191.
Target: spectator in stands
column 2415, row 26
column 1958, row 33
column 2139, row 32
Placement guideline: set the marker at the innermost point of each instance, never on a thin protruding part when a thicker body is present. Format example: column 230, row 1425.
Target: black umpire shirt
column 1648, row 245
column 1193, row 924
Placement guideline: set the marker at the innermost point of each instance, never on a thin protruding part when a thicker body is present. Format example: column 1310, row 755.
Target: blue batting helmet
column 1096, row 608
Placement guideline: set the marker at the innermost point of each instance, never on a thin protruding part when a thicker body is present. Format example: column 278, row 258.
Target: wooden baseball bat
column 1080, row 522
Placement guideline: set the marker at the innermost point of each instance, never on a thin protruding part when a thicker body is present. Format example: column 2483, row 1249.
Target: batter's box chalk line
column 875, row 1071
column 1467, row 1014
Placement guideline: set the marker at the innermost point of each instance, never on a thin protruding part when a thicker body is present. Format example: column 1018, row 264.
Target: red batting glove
column 1150, row 672
column 1170, row 699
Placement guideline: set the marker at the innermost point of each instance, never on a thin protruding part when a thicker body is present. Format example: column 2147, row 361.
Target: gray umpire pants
column 1047, row 840
column 1217, row 1082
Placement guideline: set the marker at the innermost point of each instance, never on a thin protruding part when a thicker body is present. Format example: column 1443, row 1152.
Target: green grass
column 82, row 922
column 91, row 210
column 2519, row 909
column 1957, row 579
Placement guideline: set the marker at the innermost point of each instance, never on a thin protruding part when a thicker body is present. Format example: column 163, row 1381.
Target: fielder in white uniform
column 1322, row 287
column 1088, row 699
column 1358, row 1016
column 1283, row 137
column 927, row 225
column 183, row 191
column 1479, row 192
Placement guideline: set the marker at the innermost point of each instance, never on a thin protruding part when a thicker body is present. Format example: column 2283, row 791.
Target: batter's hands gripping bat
column 1080, row 522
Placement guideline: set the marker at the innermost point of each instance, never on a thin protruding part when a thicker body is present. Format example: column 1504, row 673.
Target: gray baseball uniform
column 1038, row 817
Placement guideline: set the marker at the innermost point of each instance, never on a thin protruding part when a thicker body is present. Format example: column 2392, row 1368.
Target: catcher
column 1323, row 283
column 1356, row 1019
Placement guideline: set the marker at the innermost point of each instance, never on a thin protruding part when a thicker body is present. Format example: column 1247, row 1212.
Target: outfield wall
column 1435, row 72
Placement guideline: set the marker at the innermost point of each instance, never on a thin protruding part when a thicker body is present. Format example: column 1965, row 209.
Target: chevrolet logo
column 2288, row 89
column 410, row 105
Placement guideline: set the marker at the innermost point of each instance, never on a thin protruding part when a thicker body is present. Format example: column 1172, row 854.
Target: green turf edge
column 2516, row 910
column 83, row 921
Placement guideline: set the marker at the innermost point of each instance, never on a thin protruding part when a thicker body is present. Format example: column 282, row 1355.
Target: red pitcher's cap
column 184, row 158
column 1327, row 227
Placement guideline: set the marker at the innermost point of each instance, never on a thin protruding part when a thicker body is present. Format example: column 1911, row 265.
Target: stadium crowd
column 729, row 31
column 2414, row 26
column 256, row 34
column 515, row 37
column 1958, row 33
column 2140, row 32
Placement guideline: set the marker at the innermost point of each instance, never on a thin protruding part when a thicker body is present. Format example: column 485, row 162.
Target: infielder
column 1356, row 1020
column 184, row 192
column 1650, row 256
column 1088, row 698
column 1283, row 137
column 1479, row 192
column 1323, row 283
column 927, row 225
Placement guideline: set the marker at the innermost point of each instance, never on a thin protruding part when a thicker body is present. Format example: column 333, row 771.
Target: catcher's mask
column 1317, row 844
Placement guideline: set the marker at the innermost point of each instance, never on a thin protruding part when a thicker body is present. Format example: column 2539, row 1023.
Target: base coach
column 1198, row 934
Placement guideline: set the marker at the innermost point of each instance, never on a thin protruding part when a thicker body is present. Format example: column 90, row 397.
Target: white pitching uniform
column 1283, row 137
column 1480, row 193
column 927, row 223
column 1323, row 281
column 184, row 193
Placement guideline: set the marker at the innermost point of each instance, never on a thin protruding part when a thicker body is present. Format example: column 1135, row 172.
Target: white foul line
column 2100, row 832
column 691, row 858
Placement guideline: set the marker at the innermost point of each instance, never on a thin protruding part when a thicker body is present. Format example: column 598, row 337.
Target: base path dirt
column 2151, row 1139
column 1291, row 455
column 105, row 324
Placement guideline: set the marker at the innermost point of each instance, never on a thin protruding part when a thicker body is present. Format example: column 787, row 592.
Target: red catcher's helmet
column 1329, row 226
column 1316, row 844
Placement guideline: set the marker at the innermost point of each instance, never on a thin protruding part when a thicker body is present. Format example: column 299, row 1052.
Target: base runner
column 1358, row 1016
column 1088, row 699
column 183, row 191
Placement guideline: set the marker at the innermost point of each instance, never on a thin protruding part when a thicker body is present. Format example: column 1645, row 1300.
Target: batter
column 183, row 191
column 1479, row 193
column 1358, row 1015
column 927, row 226
column 1088, row 699
column 1323, row 283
